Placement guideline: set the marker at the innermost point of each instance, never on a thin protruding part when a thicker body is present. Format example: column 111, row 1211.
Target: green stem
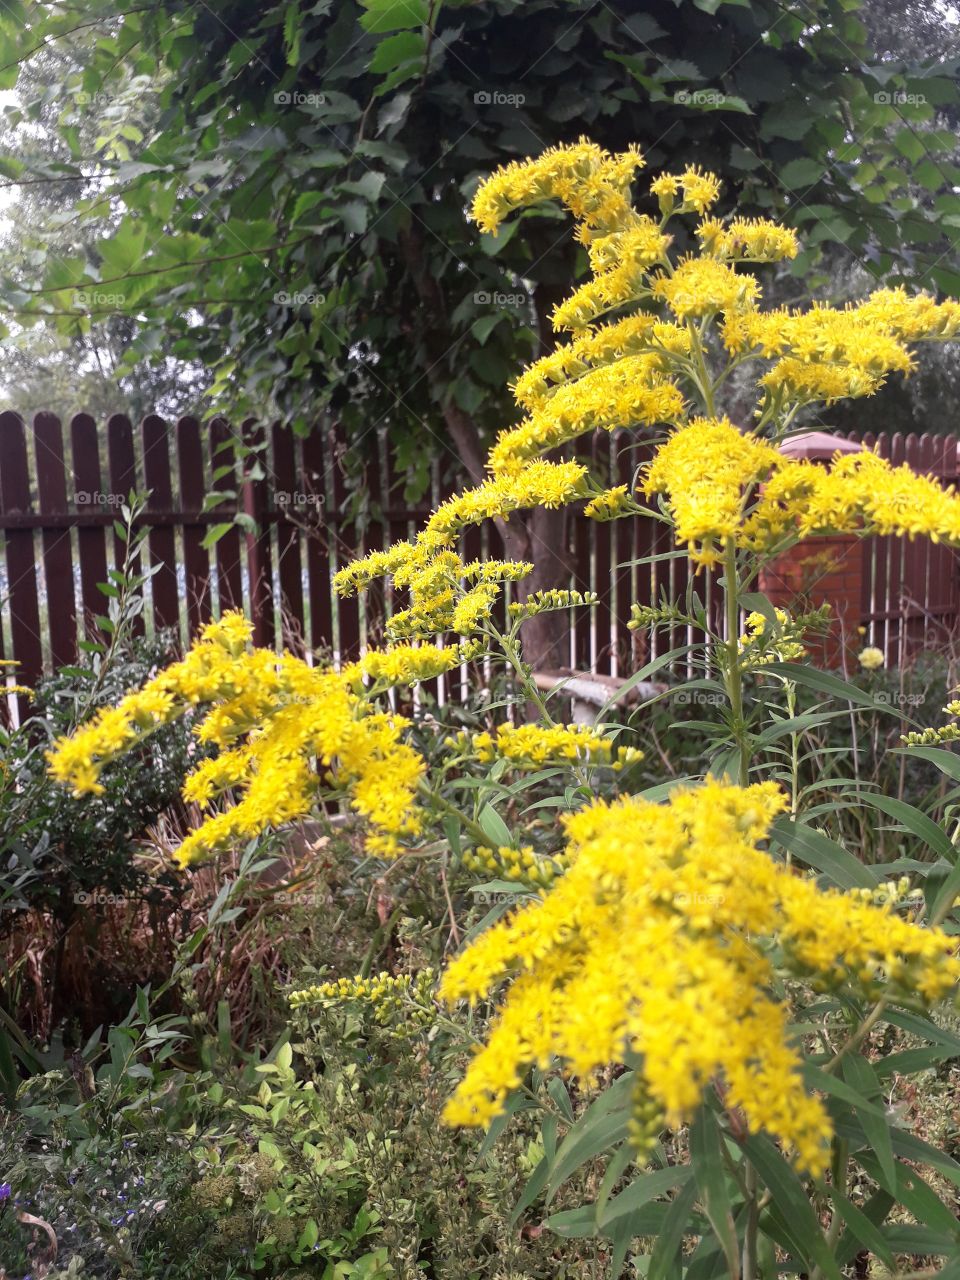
column 841, row 1149
column 533, row 693
column 732, row 675
column 791, row 691
column 748, row 1268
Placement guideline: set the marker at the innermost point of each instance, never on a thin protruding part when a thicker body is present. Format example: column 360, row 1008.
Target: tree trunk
column 538, row 536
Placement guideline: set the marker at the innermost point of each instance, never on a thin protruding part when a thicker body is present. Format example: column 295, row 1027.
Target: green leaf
column 862, row 1228
column 944, row 895
column 484, row 326
column 558, row 1092
column 354, row 215
column 824, row 854
column 796, row 724
column 641, row 1191
column 369, row 186
column 706, row 1158
column 824, row 682
column 912, row 1192
column 308, row 1236
column 397, row 49
column 215, row 533
column 862, row 1077
column 124, row 250
column 495, row 827
column 947, row 762
column 602, row 1125
column 393, row 15
column 644, row 673
column 307, row 201
column 914, row 821
column 665, row 1259
column 815, row 1078
column 802, row 172
column 790, row 1197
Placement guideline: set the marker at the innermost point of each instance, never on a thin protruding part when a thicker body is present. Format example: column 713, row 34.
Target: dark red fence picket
column 286, row 520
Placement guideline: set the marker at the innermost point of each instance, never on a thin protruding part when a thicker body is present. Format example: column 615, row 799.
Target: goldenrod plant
column 703, row 959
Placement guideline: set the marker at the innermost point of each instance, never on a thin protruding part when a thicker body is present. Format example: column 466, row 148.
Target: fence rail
column 60, row 492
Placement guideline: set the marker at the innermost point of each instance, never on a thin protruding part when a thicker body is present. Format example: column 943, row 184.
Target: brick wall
column 822, row 571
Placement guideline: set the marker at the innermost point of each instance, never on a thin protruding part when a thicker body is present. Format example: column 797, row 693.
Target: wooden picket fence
column 911, row 588
column 61, row 491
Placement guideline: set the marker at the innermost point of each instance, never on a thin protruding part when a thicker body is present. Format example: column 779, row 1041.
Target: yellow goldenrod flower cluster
column 536, row 745
column 610, row 396
column 546, row 601
column 751, row 239
column 705, row 470
column 945, row 733
column 522, row 865
column 540, row 484
column 445, row 593
column 610, row 504
column 698, row 190
column 661, row 938
column 828, row 353
column 700, row 287
column 281, row 728
column 640, row 335
column 406, row 996
column 592, row 183
column 764, row 642
column 871, row 658
column 721, row 484
column 409, row 664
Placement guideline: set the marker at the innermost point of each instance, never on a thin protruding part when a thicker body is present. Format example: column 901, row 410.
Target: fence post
column 164, row 589
column 224, row 480
column 259, row 567
column 27, row 647
column 57, row 553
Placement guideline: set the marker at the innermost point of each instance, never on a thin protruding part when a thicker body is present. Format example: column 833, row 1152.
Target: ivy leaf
column 395, row 50
column 802, row 172
column 369, row 186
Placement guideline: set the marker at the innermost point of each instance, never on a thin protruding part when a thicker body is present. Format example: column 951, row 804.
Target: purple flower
column 5, row 1190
